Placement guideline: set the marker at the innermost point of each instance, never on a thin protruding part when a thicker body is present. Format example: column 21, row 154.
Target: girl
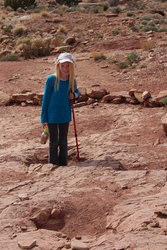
column 60, row 88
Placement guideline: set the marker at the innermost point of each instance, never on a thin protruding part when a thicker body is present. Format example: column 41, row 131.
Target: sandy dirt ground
column 122, row 149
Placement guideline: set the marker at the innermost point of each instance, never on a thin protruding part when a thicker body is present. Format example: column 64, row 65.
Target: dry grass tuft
column 98, row 55
column 147, row 44
column 19, row 30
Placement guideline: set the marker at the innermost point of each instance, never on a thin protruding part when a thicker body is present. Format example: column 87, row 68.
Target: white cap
column 65, row 57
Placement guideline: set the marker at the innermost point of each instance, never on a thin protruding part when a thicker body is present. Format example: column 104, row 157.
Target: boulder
column 83, row 95
column 22, row 97
column 96, row 93
column 27, row 244
column 153, row 102
column 161, row 96
column 4, row 99
column 116, row 97
column 164, row 123
column 136, row 94
column 146, row 95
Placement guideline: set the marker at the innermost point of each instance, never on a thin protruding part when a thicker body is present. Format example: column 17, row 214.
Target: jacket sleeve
column 46, row 99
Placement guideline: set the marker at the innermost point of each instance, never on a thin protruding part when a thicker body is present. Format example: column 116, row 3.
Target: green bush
column 105, row 6
column 9, row 57
column 135, row 28
column 100, row 36
column 136, row 4
column 116, row 31
column 116, row 10
column 164, row 101
column 69, row 3
column 36, row 47
column 130, row 13
column 133, row 58
column 15, row 4
column 122, row 65
column 113, row 2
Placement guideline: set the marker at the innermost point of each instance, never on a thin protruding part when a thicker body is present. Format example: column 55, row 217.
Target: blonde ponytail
column 57, row 74
column 71, row 77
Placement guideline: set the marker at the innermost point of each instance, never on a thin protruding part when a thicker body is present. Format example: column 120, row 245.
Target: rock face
column 111, row 199
column 141, row 213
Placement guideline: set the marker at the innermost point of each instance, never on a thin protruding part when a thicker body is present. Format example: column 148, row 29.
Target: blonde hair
column 71, row 77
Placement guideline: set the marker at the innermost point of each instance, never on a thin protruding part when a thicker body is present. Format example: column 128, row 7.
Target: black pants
column 58, row 143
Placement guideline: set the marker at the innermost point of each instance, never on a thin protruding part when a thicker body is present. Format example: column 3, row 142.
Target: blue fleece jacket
column 56, row 107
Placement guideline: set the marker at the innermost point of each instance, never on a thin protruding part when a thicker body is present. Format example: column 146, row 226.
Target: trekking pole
column 75, row 130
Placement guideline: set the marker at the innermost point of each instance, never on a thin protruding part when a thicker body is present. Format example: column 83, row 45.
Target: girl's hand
column 73, row 96
column 44, row 125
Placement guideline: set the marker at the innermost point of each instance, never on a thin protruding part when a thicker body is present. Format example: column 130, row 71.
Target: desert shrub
column 116, row 10
column 45, row 13
column 94, row 9
column 115, row 61
column 9, row 57
column 134, row 28
column 113, row 2
column 105, row 6
column 8, row 29
column 97, row 9
column 61, row 9
column 68, row 2
column 133, row 57
column 74, row 8
column 97, row 56
column 60, row 36
column 100, row 36
column 162, row 29
column 143, row 66
column 147, row 44
column 19, row 30
column 56, row 41
column 148, row 27
column 129, row 60
column 39, row 9
column 164, row 101
column 130, row 13
column 62, row 29
column 144, row 22
column 136, row 4
column 146, row 18
column 116, row 31
column 150, row 23
column 157, row 21
column 15, row 4
column 36, row 47
column 122, row 65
